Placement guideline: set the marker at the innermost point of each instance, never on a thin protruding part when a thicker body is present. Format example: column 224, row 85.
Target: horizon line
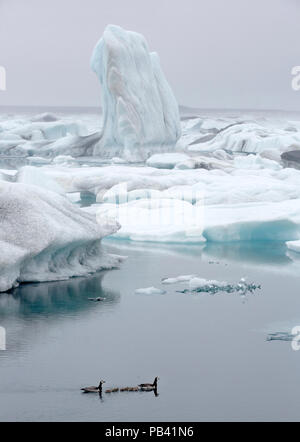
column 181, row 107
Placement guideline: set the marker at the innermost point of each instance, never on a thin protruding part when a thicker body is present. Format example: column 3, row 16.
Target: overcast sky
column 215, row 53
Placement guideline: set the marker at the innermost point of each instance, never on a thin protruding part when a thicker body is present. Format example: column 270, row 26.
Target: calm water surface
column 211, row 352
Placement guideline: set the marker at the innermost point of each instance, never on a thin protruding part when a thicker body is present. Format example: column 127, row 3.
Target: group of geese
column 141, row 387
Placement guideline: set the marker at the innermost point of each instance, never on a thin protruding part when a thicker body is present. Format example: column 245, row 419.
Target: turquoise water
column 210, row 351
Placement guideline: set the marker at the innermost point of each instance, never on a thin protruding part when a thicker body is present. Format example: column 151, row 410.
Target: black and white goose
column 150, row 387
column 94, row 389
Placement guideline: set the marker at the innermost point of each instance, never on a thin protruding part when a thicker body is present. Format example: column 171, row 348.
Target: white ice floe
column 35, row 176
column 294, row 246
column 43, row 237
column 167, row 160
column 245, row 185
column 243, row 204
column 161, row 220
column 150, row 291
column 178, row 279
column 45, row 137
column 140, row 111
column 179, row 221
column 241, row 135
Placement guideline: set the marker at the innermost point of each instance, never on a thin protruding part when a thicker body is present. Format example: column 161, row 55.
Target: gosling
column 112, row 390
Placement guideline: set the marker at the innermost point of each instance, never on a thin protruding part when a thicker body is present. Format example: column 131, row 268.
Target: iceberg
column 140, row 111
column 43, row 237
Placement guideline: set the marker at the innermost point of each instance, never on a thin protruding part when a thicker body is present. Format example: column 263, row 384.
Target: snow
column 43, row 237
column 140, row 112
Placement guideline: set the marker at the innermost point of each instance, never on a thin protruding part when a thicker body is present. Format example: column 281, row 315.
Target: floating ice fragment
column 179, row 279
column 166, row 160
column 294, row 246
column 150, row 291
column 200, row 285
column 280, row 336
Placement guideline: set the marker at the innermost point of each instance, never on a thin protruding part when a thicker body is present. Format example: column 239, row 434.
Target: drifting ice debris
column 150, row 291
column 179, row 279
column 97, row 299
column 199, row 285
column 280, row 336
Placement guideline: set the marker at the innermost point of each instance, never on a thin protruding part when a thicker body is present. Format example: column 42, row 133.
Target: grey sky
column 215, row 53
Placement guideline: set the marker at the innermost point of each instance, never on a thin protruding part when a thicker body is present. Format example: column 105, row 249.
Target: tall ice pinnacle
column 140, row 112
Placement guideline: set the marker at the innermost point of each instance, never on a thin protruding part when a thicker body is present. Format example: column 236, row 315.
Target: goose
column 150, row 386
column 148, row 389
column 94, row 389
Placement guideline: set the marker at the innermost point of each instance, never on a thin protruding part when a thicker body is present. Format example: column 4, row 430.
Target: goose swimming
column 150, row 386
column 94, row 389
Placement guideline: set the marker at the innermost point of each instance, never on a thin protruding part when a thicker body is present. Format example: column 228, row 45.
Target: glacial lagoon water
column 210, row 351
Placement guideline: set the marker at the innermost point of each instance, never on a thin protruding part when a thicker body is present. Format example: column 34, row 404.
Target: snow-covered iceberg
column 139, row 108
column 43, row 237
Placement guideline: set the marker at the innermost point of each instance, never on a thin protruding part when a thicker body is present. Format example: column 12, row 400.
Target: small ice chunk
column 179, row 279
column 201, row 285
column 45, row 117
column 118, row 160
column 166, row 160
column 150, row 291
column 294, row 246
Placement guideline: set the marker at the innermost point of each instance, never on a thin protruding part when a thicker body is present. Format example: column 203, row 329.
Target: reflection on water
column 212, row 348
column 56, row 298
column 249, row 252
